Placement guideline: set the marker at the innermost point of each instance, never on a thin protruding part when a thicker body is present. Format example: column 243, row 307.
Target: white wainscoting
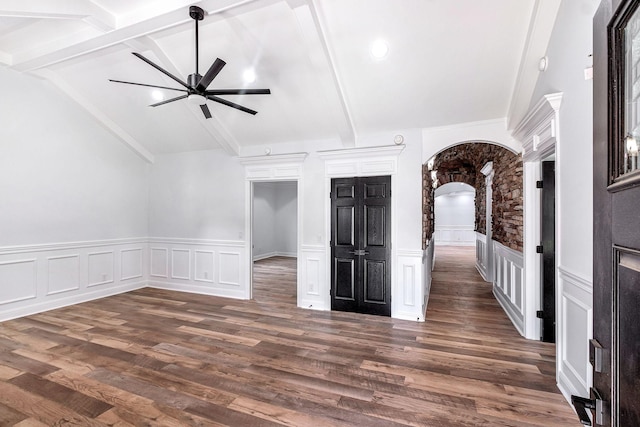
column 38, row 278
column 508, row 283
column 211, row 267
column 482, row 255
column 574, row 317
column 408, row 299
column 313, row 283
column 427, row 268
column 454, row 235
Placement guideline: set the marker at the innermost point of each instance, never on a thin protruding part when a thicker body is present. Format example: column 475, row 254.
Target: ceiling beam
column 315, row 38
column 60, row 9
column 541, row 25
column 33, row 61
column 94, row 111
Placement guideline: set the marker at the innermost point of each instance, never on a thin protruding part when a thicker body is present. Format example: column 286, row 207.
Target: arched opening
column 464, row 163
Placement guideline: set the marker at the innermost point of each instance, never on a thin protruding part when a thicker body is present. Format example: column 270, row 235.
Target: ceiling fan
column 195, row 88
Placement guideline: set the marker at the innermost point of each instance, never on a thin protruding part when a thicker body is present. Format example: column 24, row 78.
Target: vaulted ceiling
column 448, row 62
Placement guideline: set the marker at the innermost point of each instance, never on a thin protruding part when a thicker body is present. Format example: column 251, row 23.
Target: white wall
column 274, row 219
column 197, row 195
column 63, row 178
column 286, row 218
column 454, row 215
column 568, row 53
column 73, row 222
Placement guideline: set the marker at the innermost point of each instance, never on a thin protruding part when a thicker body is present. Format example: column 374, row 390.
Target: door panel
column 361, row 230
column 374, row 226
column 626, row 304
column 616, row 215
column 345, row 225
column 374, row 282
column 345, row 279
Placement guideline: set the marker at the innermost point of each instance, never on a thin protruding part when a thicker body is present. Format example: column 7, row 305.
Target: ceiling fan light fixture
column 197, row 99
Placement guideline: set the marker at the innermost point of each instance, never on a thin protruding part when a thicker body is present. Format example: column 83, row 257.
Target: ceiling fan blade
column 231, row 104
column 146, row 85
column 211, row 74
column 162, row 70
column 169, row 100
column 238, row 92
column 205, row 111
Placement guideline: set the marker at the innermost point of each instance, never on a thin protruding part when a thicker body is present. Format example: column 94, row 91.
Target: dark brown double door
column 361, row 245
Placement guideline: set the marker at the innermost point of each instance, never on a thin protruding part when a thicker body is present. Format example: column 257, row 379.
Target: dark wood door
column 615, row 348
column 361, row 245
column 548, row 234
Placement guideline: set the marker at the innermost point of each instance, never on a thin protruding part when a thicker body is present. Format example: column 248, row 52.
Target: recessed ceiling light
column 249, row 75
column 157, row 95
column 379, row 49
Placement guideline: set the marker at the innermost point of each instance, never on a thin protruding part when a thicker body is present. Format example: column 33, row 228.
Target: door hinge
column 539, row 249
column 540, row 314
column 539, row 184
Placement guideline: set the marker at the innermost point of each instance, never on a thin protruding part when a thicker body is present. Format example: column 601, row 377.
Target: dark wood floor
column 160, row 358
column 274, row 281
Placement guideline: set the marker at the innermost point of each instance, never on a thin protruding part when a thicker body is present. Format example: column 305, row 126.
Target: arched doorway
column 496, row 175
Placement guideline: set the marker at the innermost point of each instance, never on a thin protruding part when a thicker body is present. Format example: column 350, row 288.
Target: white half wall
column 210, row 267
column 38, row 278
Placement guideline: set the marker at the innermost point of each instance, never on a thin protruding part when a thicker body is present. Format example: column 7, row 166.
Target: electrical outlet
column 206, row 275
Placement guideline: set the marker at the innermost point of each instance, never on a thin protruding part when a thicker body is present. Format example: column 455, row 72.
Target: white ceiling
column 449, row 61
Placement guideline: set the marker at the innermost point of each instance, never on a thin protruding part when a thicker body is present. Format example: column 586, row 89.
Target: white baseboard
column 274, row 254
column 40, row 307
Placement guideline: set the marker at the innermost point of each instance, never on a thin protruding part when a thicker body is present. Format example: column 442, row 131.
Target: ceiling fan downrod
column 197, row 14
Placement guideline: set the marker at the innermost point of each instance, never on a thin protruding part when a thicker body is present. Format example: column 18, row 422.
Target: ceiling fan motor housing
column 193, row 80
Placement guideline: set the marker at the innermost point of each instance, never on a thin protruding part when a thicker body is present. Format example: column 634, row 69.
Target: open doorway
column 274, row 242
column 454, row 215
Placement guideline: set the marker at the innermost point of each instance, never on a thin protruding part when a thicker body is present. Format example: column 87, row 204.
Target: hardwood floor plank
column 154, row 357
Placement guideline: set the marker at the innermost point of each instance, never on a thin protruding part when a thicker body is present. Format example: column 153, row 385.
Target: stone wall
column 462, row 163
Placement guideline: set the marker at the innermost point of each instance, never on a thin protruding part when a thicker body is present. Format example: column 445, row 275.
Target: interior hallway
column 168, row 358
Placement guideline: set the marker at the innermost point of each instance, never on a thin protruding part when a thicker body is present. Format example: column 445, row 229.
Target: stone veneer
column 462, row 163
